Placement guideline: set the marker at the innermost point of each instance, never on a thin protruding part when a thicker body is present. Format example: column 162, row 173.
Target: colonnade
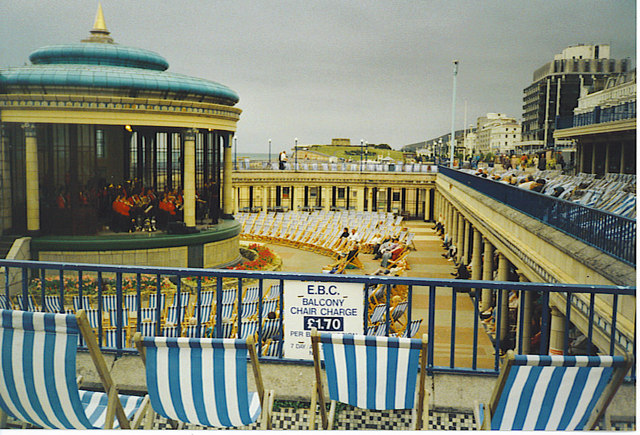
column 487, row 264
column 328, row 190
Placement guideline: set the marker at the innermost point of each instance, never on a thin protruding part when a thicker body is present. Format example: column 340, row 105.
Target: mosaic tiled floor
column 357, row 419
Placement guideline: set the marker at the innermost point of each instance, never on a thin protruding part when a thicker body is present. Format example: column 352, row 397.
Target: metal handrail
column 18, row 274
column 610, row 233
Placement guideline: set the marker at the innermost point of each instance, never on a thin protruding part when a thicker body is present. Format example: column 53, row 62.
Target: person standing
column 282, row 159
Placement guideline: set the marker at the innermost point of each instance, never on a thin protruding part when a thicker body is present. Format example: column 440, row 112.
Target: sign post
column 328, row 307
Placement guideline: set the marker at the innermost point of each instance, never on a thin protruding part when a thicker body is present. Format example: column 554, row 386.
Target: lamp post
column 295, row 150
column 453, row 113
column 235, row 159
column 269, row 153
column 366, row 151
column 361, row 149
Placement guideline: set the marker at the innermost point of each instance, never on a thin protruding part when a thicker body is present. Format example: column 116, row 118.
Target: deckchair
column 204, row 381
column 38, row 382
column 552, row 392
column 391, row 367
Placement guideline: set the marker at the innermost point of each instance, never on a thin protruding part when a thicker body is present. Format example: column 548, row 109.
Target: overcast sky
column 374, row 70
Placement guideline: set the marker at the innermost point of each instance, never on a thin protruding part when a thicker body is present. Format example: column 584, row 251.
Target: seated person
column 388, row 254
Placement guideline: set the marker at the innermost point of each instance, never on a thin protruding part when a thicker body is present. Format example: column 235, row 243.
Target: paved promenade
column 425, row 262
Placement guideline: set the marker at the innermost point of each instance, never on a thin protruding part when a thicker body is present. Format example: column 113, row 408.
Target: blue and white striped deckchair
column 412, row 329
column 82, row 304
column 148, row 329
column 205, row 313
column 204, row 381
column 552, row 392
column 185, row 297
column 113, row 318
column 174, row 314
column 249, row 329
column 251, row 294
column 270, row 307
column 249, row 309
column 52, row 304
column 170, row 331
column 153, row 298
column 131, row 302
column 109, row 302
column 378, row 314
column 227, row 311
column 148, row 314
column 274, row 293
column 95, row 318
column 38, row 382
column 207, row 297
column 191, row 331
column 270, row 328
column 31, row 306
column 111, row 337
column 391, row 367
column 4, row 303
column 229, row 296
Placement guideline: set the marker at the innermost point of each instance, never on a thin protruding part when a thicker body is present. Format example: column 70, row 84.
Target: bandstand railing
column 133, row 282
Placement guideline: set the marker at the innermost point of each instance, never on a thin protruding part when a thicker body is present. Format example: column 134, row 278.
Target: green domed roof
column 99, row 63
column 99, row 54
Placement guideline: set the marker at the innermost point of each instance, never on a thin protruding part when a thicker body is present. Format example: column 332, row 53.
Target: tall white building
column 497, row 133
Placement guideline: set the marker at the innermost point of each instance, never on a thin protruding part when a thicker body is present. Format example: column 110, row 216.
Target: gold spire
column 99, row 33
column 99, row 25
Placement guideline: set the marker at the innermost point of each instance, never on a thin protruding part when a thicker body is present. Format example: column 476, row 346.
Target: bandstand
column 86, row 121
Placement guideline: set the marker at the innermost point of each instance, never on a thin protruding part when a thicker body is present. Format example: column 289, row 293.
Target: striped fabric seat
column 552, row 392
column 52, row 304
column 202, row 380
column 131, row 302
column 83, row 303
column 38, row 375
column 390, row 365
column 153, row 300
column 109, row 302
column 4, row 303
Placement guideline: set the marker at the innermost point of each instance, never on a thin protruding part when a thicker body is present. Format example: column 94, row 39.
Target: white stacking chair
column 552, row 392
column 38, row 383
column 370, row 372
column 203, row 381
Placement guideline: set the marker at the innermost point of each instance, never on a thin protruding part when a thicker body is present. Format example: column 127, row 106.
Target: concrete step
column 5, row 245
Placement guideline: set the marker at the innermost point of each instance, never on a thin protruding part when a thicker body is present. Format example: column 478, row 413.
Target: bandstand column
column 32, row 178
column 607, row 157
column 227, row 187
column 503, row 275
column 622, row 158
column 487, row 275
column 526, row 298
column 237, row 193
column 593, row 158
column 556, row 337
column 5, row 186
column 190, row 177
column 460, row 238
column 298, row 197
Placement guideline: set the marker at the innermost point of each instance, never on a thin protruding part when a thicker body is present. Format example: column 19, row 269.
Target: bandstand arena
column 100, row 142
column 120, row 197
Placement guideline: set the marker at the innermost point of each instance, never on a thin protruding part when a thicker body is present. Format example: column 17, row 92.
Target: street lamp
column 269, row 153
column 453, row 113
column 361, row 146
column 295, row 150
column 235, row 159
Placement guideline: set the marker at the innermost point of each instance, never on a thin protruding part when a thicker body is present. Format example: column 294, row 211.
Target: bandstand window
column 100, row 148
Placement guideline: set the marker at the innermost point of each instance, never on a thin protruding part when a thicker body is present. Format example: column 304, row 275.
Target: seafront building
column 115, row 113
column 555, row 90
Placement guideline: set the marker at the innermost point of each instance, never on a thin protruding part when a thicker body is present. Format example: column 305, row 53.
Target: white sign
column 326, row 306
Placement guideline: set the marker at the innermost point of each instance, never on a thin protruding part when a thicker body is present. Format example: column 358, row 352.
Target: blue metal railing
column 598, row 115
column 19, row 275
column 611, row 233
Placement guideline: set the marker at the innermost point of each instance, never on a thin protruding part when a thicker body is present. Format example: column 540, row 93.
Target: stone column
column 454, row 227
column 622, row 158
column 190, row 177
column 427, row 204
column 593, row 158
column 460, row 237
column 359, row 191
column 227, row 184
column 526, row 297
column 326, row 197
column 476, row 258
column 237, row 195
column 266, row 190
column 465, row 244
column 5, row 183
column 298, row 197
column 487, row 275
column 556, row 337
column 503, row 275
column 32, row 178
column 607, row 157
